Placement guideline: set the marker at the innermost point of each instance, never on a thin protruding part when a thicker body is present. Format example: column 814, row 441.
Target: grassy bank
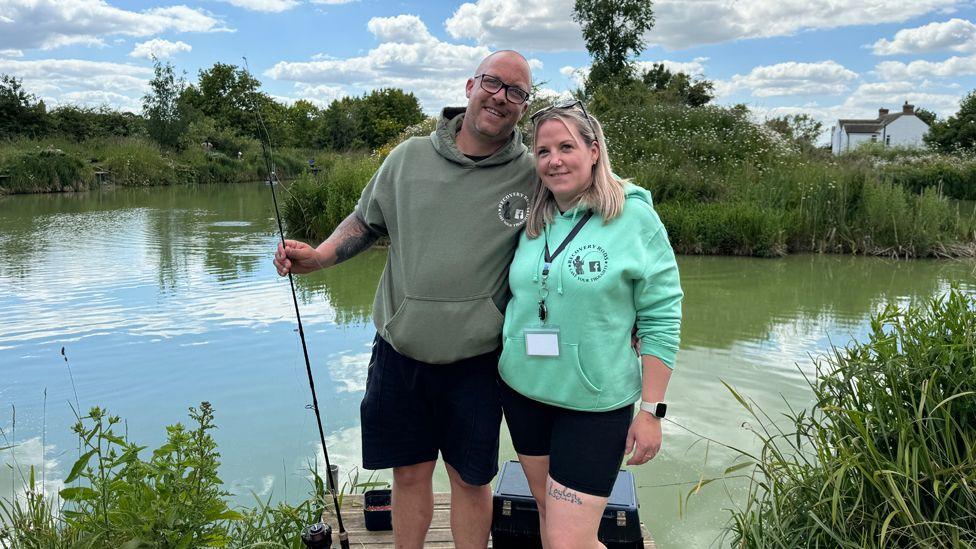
column 725, row 185
column 119, row 495
column 53, row 165
column 887, row 455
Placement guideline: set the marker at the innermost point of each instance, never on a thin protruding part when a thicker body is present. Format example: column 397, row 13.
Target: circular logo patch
column 588, row 263
column 513, row 209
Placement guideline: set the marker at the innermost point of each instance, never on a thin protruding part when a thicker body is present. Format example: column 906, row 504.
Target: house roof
column 862, row 128
column 868, row 125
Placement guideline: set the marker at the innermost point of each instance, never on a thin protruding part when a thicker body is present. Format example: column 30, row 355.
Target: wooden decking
column 439, row 535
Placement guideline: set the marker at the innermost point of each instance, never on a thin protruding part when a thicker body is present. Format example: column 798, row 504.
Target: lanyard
column 544, row 290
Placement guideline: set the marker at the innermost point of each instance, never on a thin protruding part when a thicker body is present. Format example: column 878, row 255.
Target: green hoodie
column 453, row 225
column 609, row 277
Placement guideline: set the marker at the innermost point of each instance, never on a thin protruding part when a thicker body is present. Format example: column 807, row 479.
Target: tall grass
column 116, row 496
column 315, row 204
column 887, row 455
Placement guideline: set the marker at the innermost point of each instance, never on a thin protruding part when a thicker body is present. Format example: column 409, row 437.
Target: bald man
column 452, row 204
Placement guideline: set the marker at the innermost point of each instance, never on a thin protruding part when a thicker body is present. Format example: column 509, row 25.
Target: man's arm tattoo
column 351, row 237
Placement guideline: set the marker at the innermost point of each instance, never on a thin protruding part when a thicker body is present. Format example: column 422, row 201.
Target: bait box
column 515, row 516
column 378, row 520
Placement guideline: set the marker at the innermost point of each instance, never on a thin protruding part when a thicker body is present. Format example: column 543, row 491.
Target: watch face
column 661, row 409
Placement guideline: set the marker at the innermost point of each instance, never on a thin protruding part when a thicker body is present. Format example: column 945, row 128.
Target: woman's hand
column 643, row 438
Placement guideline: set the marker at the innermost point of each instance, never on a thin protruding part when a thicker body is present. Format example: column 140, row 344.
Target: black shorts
column 585, row 449
column 412, row 410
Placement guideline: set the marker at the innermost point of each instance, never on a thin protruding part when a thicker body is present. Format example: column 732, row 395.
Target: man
column 452, row 205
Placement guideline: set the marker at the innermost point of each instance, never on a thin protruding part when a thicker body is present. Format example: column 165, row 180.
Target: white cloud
column 321, row 95
column 78, row 81
column 433, row 70
column 695, row 67
column 956, row 35
column 403, row 29
column 160, row 49
column 271, row 6
column 548, row 25
column 537, row 25
column 48, row 24
column 917, row 70
column 11, row 53
column 792, row 78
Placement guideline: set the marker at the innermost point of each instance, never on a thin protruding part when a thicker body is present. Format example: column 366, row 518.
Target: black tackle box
column 515, row 517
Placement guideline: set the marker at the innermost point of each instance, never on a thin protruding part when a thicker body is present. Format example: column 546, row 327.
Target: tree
column 613, row 31
column 385, row 113
column 926, row 115
column 678, row 87
column 340, row 125
column 302, row 121
column 162, row 106
column 228, row 94
column 20, row 112
column 957, row 132
column 799, row 128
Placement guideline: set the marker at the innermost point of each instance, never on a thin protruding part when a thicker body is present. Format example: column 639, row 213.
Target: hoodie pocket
column 555, row 380
column 440, row 330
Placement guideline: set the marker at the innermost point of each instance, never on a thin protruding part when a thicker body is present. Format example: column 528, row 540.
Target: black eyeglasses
column 572, row 103
column 513, row 93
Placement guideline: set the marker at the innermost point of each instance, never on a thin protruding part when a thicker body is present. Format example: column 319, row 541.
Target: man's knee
column 457, row 482
column 419, row 474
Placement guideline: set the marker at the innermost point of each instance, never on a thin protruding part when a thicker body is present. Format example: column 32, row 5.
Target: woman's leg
column 536, row 470
column 572, row 517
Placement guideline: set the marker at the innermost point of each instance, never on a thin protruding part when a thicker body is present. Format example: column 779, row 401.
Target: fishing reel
column 317, row 536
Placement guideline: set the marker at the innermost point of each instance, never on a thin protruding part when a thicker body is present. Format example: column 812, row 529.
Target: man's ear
column 468, row 87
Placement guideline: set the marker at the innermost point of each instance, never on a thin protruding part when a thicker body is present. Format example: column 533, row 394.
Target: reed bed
column 887, row 455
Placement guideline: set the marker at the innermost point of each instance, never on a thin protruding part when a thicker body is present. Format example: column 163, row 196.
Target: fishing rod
column 316, row 534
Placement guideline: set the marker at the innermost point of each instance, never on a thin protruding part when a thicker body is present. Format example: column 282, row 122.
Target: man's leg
column 413, row 504
column 470, row 512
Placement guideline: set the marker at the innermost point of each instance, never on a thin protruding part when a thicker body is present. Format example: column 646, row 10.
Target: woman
column 593, row 264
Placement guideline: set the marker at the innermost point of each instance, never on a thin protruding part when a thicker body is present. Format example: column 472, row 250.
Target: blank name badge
column 542, row 341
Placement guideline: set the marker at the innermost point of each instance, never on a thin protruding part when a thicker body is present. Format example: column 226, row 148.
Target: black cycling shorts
column 585, row 449
column 412, row 410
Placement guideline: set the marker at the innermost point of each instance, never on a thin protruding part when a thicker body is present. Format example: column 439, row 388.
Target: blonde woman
column 594, row 262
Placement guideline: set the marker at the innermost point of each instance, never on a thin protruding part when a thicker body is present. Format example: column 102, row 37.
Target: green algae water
column 166, row 297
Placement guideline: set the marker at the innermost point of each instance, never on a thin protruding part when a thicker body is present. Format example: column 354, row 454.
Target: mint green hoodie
column 609, row 277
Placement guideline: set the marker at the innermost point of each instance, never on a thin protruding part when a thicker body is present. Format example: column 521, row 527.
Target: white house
column 903, row 129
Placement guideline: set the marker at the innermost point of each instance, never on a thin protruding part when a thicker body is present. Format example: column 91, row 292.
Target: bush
column 44, row 170
column 132, row 162
column 887, row 455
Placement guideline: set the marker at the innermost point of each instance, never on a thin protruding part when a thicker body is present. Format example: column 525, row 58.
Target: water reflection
column 166, row 297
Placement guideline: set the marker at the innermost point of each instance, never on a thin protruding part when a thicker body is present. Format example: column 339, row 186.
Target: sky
column 827, row 58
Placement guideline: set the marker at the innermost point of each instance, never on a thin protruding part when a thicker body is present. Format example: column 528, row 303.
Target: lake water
column 166, row 297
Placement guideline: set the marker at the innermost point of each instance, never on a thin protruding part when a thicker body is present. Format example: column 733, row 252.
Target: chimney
column 907, row 109
column 882, row 113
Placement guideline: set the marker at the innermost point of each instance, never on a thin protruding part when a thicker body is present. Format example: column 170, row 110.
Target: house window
column 874, row 138
column 887, row 140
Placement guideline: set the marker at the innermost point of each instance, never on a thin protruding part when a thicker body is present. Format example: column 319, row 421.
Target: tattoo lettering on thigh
column 353, row 236
column 563, row 494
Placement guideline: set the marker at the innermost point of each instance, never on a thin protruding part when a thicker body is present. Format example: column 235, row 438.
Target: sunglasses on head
column 569, row 104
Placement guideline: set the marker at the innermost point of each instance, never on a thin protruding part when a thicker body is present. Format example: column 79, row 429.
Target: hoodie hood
column 448, row 126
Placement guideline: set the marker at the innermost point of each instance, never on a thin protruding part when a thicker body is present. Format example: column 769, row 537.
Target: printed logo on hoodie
column 513, row 209
column 588, row 263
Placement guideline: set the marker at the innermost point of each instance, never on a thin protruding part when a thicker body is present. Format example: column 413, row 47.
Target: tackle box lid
column 513, row 484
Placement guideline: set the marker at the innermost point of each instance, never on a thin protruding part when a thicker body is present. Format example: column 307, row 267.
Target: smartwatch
column 656, row 409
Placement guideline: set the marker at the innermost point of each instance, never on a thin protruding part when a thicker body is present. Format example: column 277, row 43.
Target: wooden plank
column 439, row 535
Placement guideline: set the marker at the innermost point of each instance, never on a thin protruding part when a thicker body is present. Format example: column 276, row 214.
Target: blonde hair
column 605, row 195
